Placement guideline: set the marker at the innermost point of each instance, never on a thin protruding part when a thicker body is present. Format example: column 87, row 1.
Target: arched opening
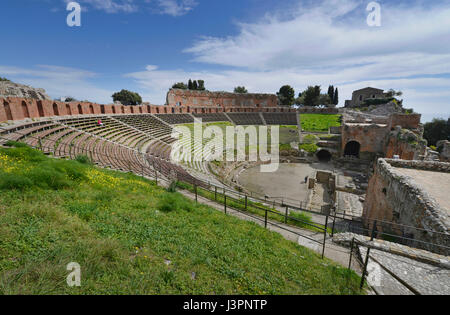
column 91, row 109
column 114, row 109
column 55, row 109
column 324, row 156
column 123, row 109
column 102, row 109
column 26, row 113
column 80, row 110
column 68, row 110
column 40, row 109
column 8, row 112
column 352, row 149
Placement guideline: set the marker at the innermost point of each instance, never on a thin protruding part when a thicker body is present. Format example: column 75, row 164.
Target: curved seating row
column 215, row 117
column 280, row 118
column 246, row 118
column 176, row 119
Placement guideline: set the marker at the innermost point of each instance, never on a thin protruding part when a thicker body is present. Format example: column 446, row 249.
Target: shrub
column 15, row 144
column 12, row 181
column 173, row 186
column 83, row 159
column 174, row 202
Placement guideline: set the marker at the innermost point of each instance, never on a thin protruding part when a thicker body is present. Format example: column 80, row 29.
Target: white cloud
column 328, row 33
column 426, row 95
column 109, row 6
column 59, row 81
column 176, row 7
column 169, row 7
column 328, row 42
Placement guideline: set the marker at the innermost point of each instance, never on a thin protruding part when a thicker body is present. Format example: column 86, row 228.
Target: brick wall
column 14, row 108
column 178, row 97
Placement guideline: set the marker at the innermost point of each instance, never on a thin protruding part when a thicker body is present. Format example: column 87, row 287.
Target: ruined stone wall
column 406, row 121
column 15, row 108
column 396, row 198
column 371, row 137
column 399, row 134
column 405, row 143
column 178, row 97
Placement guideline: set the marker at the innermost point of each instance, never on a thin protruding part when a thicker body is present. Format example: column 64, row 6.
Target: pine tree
column 195, row 85
column 190, row 85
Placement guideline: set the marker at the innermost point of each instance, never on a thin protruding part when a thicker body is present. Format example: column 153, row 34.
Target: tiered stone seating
column 18, row 133
column 216, row 117
column 111, row 129
column 176, row 119
column 246, row 118
column 148, row 124
column 280, row 118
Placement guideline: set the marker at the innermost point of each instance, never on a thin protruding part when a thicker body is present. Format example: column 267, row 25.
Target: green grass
column 319, row 122
column 123, row 231
column 309, row 147
column 301, row 219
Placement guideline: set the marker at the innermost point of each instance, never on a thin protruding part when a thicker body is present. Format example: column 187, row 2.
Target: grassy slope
column 319, row 122
column 122, row 229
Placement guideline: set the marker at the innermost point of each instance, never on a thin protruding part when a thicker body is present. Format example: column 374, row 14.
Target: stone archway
column 324, row 156
column 26, row 113
column 352, row 149
column 55, row 109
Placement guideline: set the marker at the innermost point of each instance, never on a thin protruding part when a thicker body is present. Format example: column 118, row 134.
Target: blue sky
column 147, row 45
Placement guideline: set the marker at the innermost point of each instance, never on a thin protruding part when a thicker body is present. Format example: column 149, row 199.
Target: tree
column 324, row 99
column 190, row 85
column 311, row 96
column 201, row 85
column 179, row 85
column 127, row 97
column 286, row 95
column 70, row 99
column 331, row 92
column 335, row 99
column 437, row 129
column 4, row 79
column 240, row 89
column 195, row 85
column 393, row 93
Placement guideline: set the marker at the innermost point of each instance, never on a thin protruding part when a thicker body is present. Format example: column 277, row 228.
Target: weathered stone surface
column 398, row 198
column 11, row 89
